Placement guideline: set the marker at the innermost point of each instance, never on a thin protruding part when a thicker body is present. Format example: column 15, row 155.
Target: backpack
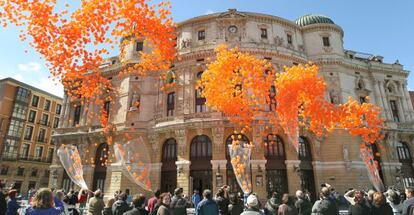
column 155, row 210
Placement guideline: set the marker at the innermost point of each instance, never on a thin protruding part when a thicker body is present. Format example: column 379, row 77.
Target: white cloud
column 53, row 87
column 18, row 77
column 209, row 11
column 29, row 67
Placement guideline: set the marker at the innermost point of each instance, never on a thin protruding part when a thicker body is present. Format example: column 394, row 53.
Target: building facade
column 188, row 141
column 28, row 117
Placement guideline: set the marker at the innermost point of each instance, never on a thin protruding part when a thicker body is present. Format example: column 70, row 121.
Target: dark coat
column 107, row 211
column 179, row 205
column 408, row 206
column 359, row 209
column 136, row 211
column 120, row 207
column 235, row 209
column 3, row 203
column 326, row 206
column 304, row 206
column 207, row 207
column 57, row 210
column 96, row 206
column 12, row 207
column 223, row 205
column 384, row 209
column 163, row 210
column 272, row 206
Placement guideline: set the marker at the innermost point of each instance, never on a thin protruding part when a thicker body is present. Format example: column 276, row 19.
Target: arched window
column 201, row 148
column 404, row 154
column 200, row 102
column 169, row 150
column 304, row 149
column 274, row 147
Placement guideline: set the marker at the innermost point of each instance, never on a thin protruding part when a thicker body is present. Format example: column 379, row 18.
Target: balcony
column 16, row 157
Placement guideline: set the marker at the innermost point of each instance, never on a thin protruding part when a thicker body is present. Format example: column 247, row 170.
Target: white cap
column 252, row 200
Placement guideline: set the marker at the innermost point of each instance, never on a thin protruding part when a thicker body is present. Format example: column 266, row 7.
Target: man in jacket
column 120, row 206
column 326, row 205
column 3, row 202
column 408, row 205
column 178, row 203
column 272, row 205
column 96, row 204
column 252, row 206
column 139, row 206
column 207, row 206
column 302, row 204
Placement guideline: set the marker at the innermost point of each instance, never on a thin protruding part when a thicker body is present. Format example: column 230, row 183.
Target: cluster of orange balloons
column 372, row 166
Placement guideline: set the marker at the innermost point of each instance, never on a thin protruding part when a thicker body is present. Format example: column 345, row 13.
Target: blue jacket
column 57, row 210
column 195, row 199
column 207, row 207
column 12, row 207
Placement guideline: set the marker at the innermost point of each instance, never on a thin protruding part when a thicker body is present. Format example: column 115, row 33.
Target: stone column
column 88, row 171
column 84, row 116
column 113, row 179
column 155, row 175
column 183, row 176
column 258, row 168
column 407, row 100
column 218, row 143
column 385, row 101
column 219, row 173
column 378, row 97
column 292, row 174
column 66, row 113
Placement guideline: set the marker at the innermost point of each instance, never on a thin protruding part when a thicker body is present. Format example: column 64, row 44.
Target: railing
column 16, row 157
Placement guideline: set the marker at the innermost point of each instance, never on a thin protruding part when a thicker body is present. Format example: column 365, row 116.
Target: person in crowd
column 370, row 197
column 252, row 206
column 3, row 202
column 325, row 205
column 12, row 205
column 196, row 198
column 108, row 207
column 129, row 197
column 207, row 206
column 73, row 198
column 359, row 205
column 178, row 203
column 138, row 203
column 44, row 203
column 393, row 200
column 408, row 205
column 221, row 202
column 82, row 199
column 303, row 205
column 96, row 204
column 153, row 201
column 164, row 205
column 272, row 205
column 120, row 206
column 236, row 205
column 379, row 205
column 61, row 196
column 288, row 206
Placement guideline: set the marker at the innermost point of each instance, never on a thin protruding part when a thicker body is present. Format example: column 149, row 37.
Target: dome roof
column 313, row 19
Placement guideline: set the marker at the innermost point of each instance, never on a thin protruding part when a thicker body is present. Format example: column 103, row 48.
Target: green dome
column 313, row 19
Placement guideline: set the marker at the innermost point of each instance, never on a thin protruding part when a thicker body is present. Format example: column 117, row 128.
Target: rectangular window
column 25, row 151
column 44, row 120
column 326, row 41
column 58, row 109
column 47, row 105
column 22, row 95
column 42, row 134
column 15, row 128
column 170, row 103
column 289, row 39
column 4, row 170
column 34, row 172
column 19, row 111
column 140, row 46
column 394, row 110
column 107, row 106
column 20, row 171
column 35, row 101
column 263, row 33
column 50, row 155
column 32, row 116
column 201, row 34
column 38, row 153
column 10, row 148
column 28, row 133
column 76, row 115
column 56, row 122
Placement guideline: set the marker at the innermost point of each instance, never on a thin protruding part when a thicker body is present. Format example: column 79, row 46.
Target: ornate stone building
column 188, row 141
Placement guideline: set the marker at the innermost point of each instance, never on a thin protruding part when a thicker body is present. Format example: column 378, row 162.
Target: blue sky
column 383, row 28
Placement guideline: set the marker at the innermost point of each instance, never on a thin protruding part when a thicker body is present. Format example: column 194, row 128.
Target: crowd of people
column 46, row 201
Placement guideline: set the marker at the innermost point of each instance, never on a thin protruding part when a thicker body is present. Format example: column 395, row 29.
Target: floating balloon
column 72, row 163
column 135, row 161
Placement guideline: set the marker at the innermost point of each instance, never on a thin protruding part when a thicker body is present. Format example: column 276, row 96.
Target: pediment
column 232, row 14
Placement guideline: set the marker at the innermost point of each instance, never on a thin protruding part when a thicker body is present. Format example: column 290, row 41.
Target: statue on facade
column 135, row 101
column 186, row 43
